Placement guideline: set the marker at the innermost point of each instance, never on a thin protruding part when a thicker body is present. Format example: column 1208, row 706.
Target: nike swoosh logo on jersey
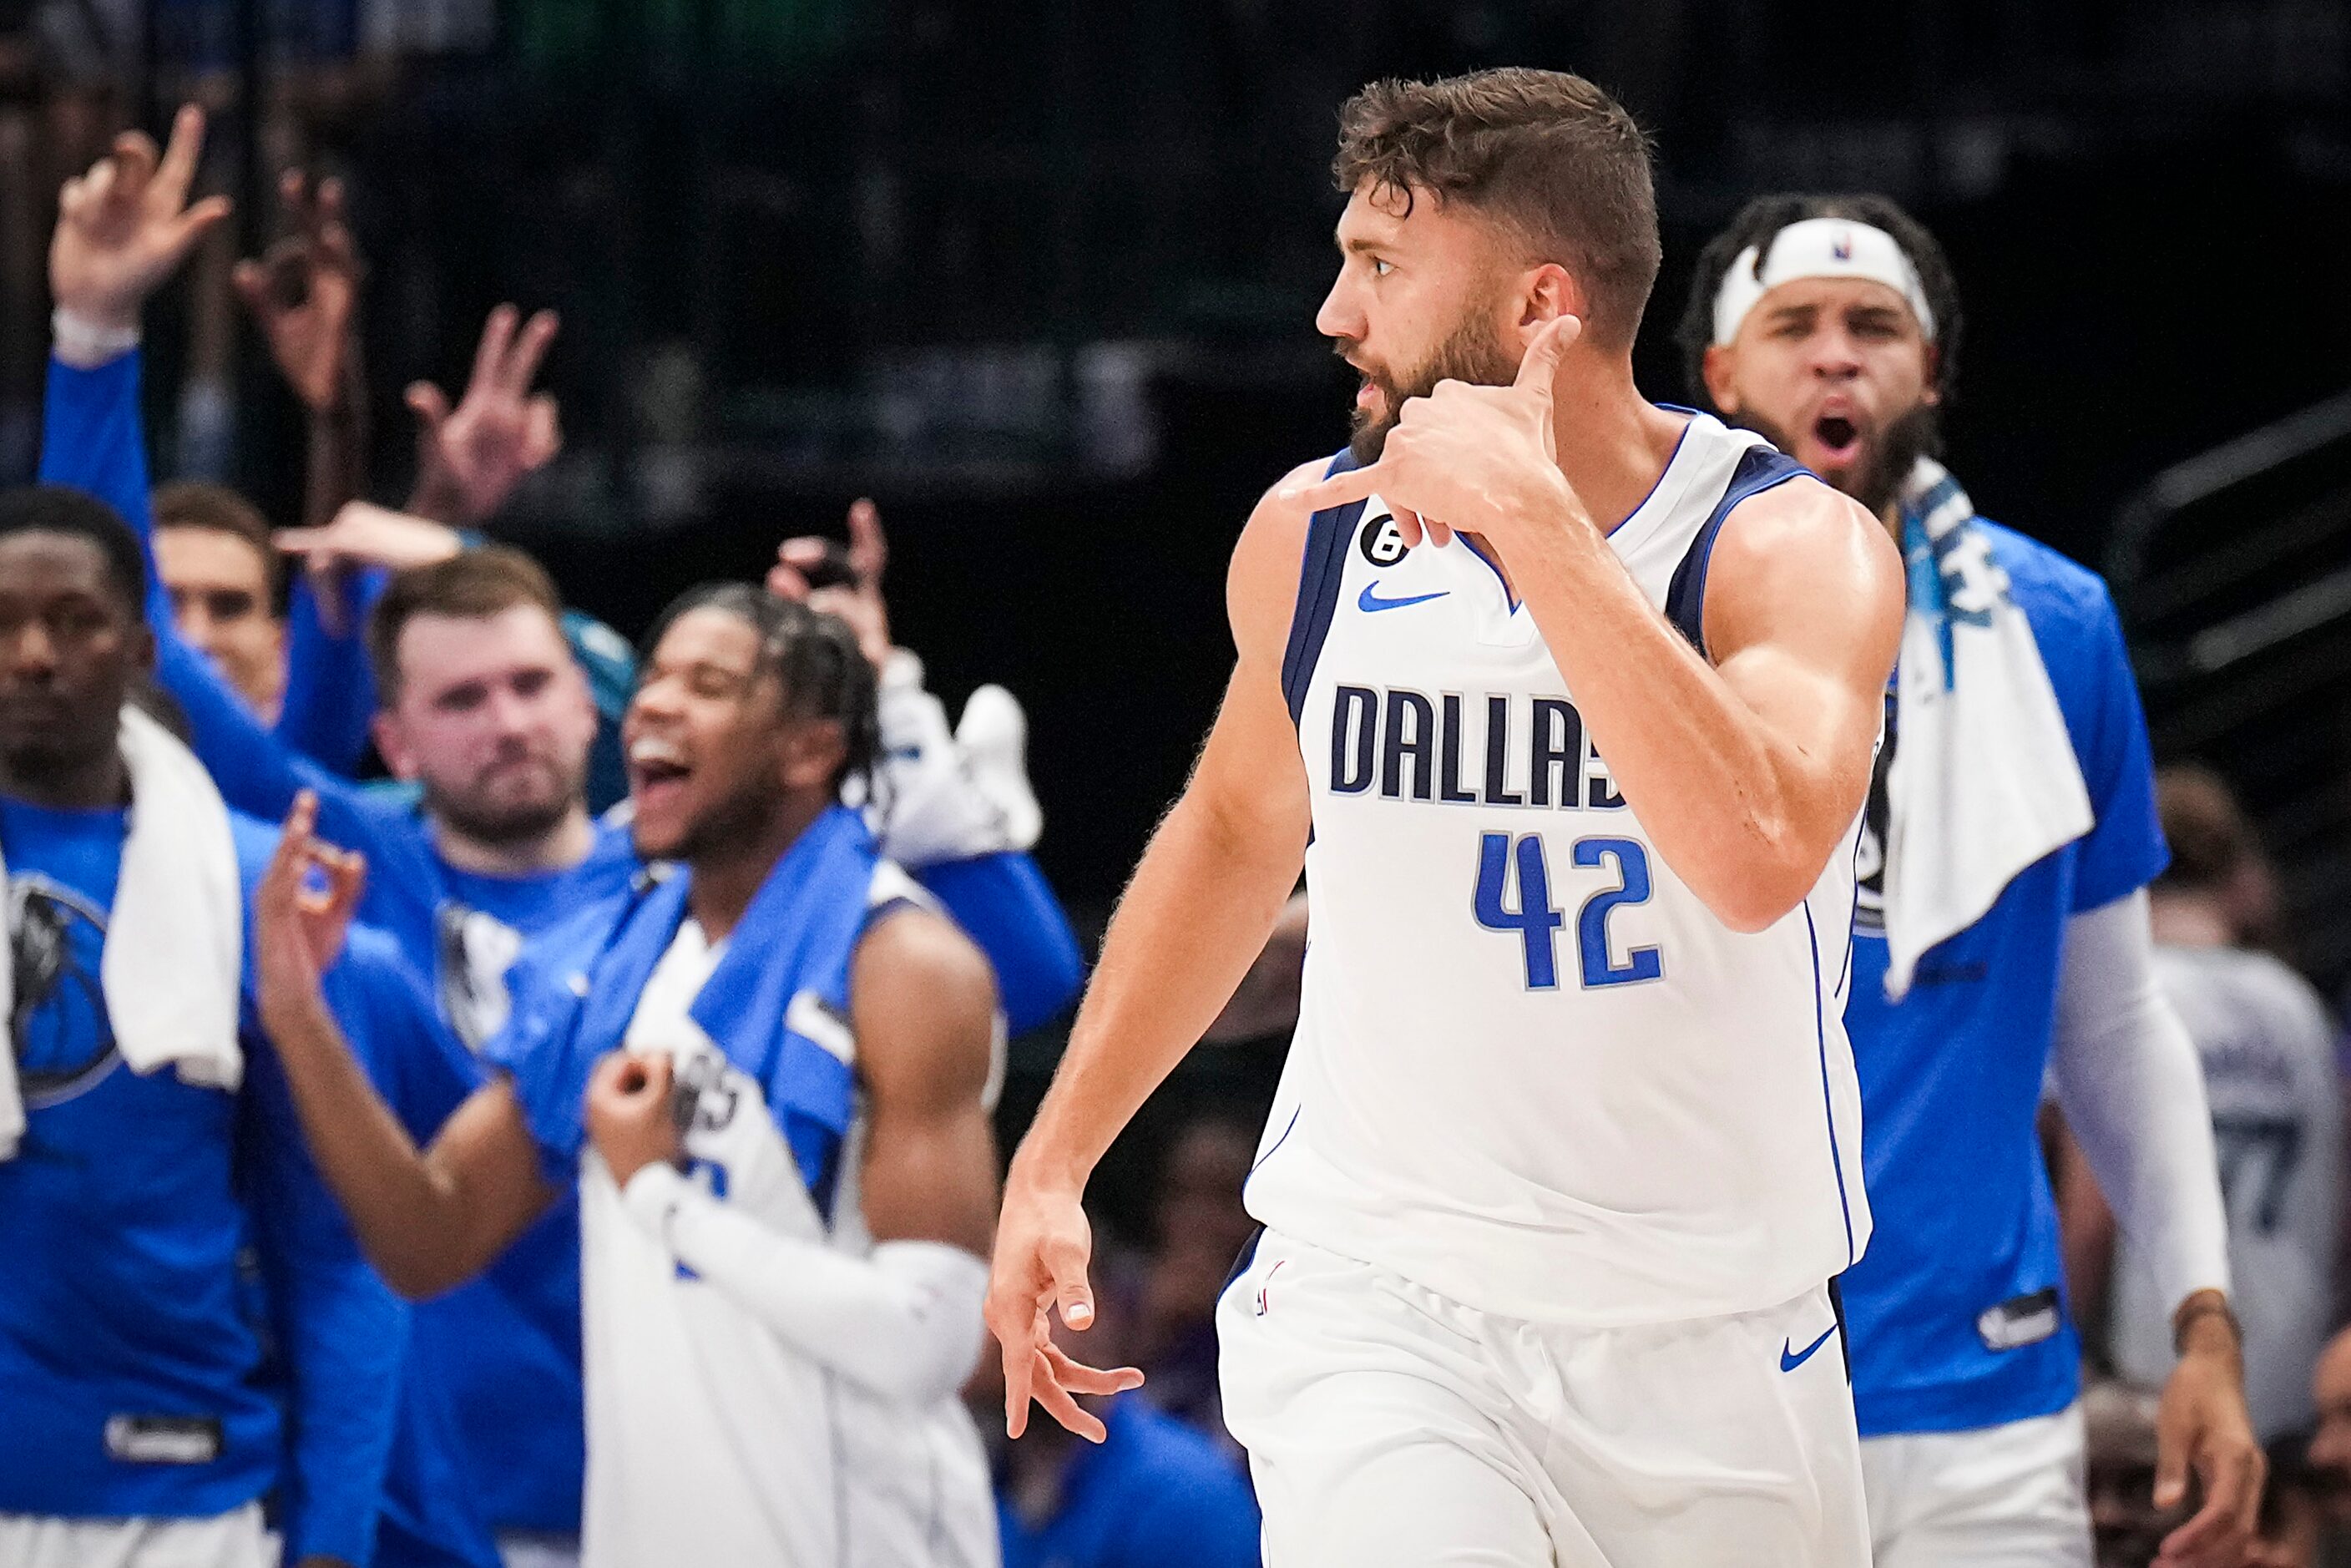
column 1791, row 1359
column 1370, row 602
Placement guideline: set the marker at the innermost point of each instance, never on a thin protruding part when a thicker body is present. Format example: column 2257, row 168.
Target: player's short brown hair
column 1548, row 155
column 2211, row 840
column 472, row 585
column 201, row 503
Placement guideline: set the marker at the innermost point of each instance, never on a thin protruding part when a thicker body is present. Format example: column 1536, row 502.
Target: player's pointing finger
column 1337, row 490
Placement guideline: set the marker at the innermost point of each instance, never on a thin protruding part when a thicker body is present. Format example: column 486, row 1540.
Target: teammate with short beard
column 2002, row 936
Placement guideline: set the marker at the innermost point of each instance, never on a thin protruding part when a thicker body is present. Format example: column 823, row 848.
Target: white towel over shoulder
column 174, row 956
column 1984, row 781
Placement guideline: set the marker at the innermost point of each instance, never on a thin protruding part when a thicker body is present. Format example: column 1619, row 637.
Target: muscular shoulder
column 923, row 999
column 1801, row 551
column 1262, row 585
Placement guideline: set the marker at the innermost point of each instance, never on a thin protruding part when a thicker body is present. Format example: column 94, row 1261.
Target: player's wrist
column 1043, row 1168
column 87, row 336
column 2205, row 1325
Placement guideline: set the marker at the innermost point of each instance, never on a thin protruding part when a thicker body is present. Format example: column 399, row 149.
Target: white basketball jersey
column 711, row 1440
column 1532, row 1072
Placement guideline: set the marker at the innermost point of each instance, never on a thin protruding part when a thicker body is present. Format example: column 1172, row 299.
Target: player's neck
column 560, row 848
column 1612, row 442
column 95, row 785
column 2187, row 921
column 726, row 877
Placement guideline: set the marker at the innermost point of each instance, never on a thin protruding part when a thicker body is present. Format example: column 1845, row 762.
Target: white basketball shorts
column 231, row 1539
column 2001, row 1497
column 1388, row 1426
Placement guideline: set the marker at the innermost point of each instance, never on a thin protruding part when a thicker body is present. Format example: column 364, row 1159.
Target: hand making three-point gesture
column 127, row 224
column 470, row 459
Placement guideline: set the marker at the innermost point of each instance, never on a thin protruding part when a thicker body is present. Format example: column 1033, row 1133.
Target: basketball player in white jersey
column 768, row 1076
column 1565, row 1151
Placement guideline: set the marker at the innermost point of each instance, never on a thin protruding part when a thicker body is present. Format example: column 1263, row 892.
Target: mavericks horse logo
column 57, row 1023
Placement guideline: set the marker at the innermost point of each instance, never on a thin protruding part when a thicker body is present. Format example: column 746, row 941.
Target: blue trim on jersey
column 1828, row 1104
column 1759, row 469
column 1319, row 574
column 1495, row 568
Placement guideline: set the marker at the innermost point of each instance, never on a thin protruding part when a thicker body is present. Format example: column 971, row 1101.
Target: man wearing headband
column 2001, row 936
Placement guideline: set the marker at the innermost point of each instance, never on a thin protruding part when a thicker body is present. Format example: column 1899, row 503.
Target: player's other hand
column 628, row 1114
column 126, row 225
column 470, row 459
column 2203, row 1424
column 1480, row 458
column 303, row 908
column 809, row 568
column 1042, row 1245
column 304, row 294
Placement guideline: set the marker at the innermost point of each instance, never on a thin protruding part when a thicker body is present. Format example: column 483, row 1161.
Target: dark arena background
column 1039, row 278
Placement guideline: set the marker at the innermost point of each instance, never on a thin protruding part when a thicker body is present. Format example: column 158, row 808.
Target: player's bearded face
column 1471, row 350
column 494, row 721
column 1883, row 456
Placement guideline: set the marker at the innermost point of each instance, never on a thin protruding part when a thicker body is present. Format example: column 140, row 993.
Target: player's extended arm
column 1197, row 915
column 339, row 1331
column 428, row 1220
column 903, row 1321
column 2132, row 1087
column 1746, row 771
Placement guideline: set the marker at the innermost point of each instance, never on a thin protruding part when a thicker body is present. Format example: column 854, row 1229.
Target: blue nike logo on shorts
column 1791, row 1359
column 1371, row 602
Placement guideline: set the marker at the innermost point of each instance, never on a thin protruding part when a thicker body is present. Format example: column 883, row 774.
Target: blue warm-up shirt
column 1154, row 1493
column 1956, row 1313
column 142, row 1376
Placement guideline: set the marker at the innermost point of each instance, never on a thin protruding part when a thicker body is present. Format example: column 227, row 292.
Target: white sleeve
column 951, row 794
column 2132, row 1088
column 904, row 1323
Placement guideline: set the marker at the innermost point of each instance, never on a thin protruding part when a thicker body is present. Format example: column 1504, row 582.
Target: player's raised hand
column 809, row 568
column 303, row 908
column 127, row 225
column 470, row 459
column 630, row 1115
column 2203, row 1424
column 304, row 294
column 1042, row 1247
column 1480, row 458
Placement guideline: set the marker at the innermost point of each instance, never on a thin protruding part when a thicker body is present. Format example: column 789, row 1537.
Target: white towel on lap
column 1984, row 781
column 174, row 956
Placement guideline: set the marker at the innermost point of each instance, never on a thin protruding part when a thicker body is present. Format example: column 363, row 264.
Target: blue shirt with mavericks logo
column 146, row 1368
column 1957, row 1311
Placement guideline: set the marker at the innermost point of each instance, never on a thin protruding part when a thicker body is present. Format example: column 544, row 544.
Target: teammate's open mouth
column 1838, row 437
column 655, row 771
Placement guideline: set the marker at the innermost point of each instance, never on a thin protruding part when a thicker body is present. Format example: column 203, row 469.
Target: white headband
column 1818, row 247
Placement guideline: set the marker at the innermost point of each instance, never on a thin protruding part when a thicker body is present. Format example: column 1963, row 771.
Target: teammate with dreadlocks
column 767, row 1076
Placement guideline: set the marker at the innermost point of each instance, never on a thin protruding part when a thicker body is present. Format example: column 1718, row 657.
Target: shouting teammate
column 1565, row 1152
column 2002, row 936
column 765, row 1075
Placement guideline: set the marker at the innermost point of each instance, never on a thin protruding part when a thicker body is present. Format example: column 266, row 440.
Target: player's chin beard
column 1887, row 460
column 1468, row 353
column 507, row 823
